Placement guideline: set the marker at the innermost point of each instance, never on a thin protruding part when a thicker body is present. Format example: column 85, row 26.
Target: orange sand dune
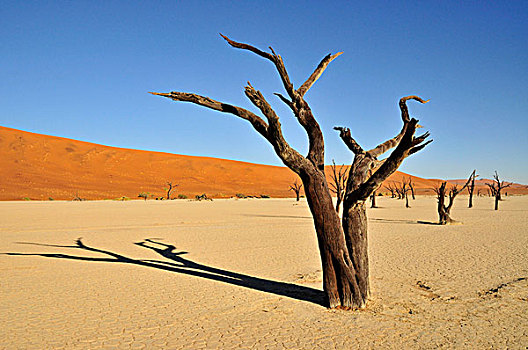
column 41, row 167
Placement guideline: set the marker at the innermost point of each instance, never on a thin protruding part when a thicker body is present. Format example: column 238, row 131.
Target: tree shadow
column 277, row 216
column 178, row 264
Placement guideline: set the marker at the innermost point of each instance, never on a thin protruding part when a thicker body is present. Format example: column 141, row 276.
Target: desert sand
column 246, row 273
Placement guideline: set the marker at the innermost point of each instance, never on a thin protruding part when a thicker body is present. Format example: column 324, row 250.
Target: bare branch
column 299, row 106
column 347, row 138
column 288, row 155
column 403, row 106
column 259, row 124
column 248, row 47
column 388, row 167
column 287, row 102
column 317, row 73
column 387, row 145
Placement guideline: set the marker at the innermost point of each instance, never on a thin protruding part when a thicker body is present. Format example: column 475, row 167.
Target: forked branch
column 347, row 138
column 387, row 145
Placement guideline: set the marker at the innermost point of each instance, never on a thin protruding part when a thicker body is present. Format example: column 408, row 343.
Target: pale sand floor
column 250, row 277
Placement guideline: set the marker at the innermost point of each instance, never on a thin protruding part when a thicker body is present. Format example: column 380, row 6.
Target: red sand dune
column 41, row 167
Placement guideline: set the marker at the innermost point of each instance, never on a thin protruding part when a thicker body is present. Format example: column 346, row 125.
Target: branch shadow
column 178, row 264
column 276, row 216
column 400, row 221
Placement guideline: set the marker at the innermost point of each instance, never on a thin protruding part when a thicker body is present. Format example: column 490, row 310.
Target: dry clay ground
column 246, row 273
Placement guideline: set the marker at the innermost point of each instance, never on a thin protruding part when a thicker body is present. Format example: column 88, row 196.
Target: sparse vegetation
column 202, row 197
column 240, row 195
column 182, row 196
column 144, row 195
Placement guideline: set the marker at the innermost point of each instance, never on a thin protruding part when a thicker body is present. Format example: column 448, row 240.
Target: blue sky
column 82, row 70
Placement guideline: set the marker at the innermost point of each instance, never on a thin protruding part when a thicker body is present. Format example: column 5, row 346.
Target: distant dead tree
column 398, row 191
column 343, row 244
column 496, row 187
column 338, row 180
column 444, row 210
column 170, row 188
column 391, row 189
column 471, row 188
column 411, row 187
column 403, row 191
column 296, row 187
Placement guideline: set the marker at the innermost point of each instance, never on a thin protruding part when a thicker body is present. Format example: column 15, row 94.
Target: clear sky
column 82, row 70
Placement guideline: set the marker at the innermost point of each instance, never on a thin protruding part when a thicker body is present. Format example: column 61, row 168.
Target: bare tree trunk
column 406, row 200
column 411, row 187
column 373, row 200
column 339, row 279
column 444, row 210
column 342, row 245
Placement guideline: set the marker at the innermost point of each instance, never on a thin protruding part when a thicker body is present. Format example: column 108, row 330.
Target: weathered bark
column 366, row 175
column 343, row 246
column 496, row 188
column 373, row 200
column 296, row 187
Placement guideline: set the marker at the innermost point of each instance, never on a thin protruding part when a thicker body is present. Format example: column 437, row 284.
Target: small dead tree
column 496, row 187
column 170, row 188
column 338, row 180
column 444, row 210
column 343, row 244
column 411, row 187
column 296, row 187
column 391, row 189
column 406, row 188
column 471, row 188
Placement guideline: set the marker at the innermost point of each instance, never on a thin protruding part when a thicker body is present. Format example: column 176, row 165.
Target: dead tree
column 338, row 183
column 444, row 210
column 471, row 188
column 296, row 187
column 406, row 187
column 496, row 187
column 391, row 189
column 411, row 187
column 169, row 189
column 342, row 246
